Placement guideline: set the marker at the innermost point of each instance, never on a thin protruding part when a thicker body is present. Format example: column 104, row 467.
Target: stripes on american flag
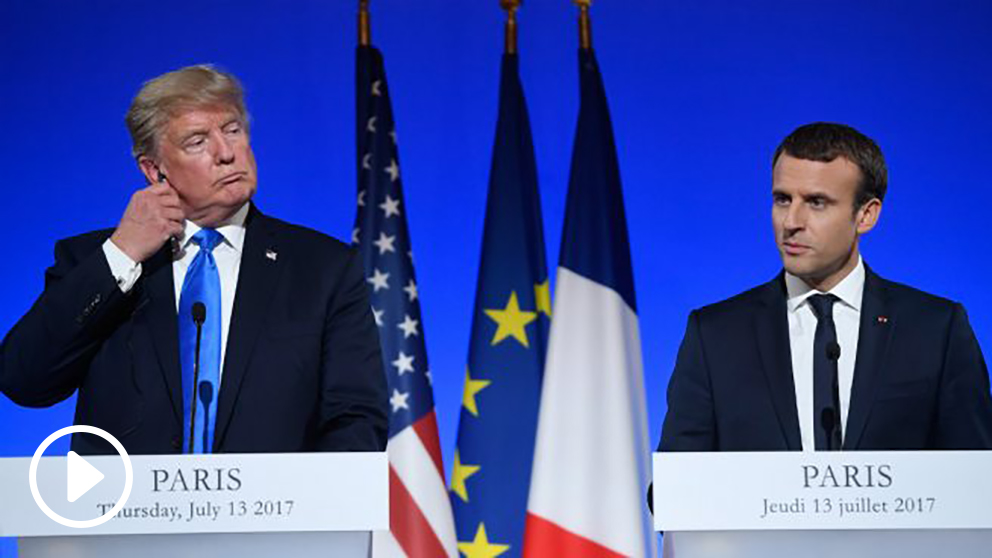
column 421, row 523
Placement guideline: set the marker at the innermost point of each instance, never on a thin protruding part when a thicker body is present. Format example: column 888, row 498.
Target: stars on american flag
column 403, row 363
column 382, row 235
column 385, row 243
column 399, row 401
column 409, row 326
column 393, row 170
column 390, row 206
column 411, row 290
column 379, row 280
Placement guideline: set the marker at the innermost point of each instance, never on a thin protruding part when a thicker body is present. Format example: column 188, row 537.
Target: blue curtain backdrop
column 701, row 91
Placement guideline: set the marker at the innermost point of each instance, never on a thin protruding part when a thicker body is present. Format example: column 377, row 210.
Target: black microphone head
column 199, row 312
column 827, row 419
column 206, row 392
column 833, row 350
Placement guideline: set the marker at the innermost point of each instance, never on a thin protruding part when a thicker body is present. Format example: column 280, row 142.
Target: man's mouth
column 794, row 248
column 232, row 178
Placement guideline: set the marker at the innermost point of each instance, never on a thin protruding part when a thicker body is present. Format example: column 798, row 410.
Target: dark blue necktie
column 826, row 352
column 202, row 284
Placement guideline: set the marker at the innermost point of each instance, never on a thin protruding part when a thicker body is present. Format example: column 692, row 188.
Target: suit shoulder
column 311, row 240
column 903, row 296
column 738, row 305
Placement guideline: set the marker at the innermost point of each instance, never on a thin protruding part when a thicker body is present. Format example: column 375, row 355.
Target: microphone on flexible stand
column 206, row 397
column 828, row 423
column 199, row 316
column 833, row 351
column 831, row 415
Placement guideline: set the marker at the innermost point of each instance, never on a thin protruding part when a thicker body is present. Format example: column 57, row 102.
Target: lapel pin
column 882, row 319
column 271, row 254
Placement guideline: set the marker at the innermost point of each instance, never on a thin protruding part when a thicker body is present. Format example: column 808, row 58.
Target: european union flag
column 491, row 475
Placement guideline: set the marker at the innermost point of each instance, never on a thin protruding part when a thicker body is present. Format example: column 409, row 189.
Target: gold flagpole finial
column 585, row 24
column 364, row 27
column 511, row 6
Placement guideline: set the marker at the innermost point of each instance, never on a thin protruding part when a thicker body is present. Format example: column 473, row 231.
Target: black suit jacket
column 920, row 381
column 302, row 369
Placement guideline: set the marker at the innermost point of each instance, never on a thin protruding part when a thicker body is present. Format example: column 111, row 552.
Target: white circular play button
column 81, row 476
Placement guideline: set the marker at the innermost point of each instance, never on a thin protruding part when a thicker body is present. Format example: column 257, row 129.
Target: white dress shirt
column 802, row 328
column 227, row 254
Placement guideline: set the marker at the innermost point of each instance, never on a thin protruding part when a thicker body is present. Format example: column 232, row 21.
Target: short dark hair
column 825, row 141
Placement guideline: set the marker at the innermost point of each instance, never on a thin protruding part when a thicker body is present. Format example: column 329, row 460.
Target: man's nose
column 224, row 153
column 795, row 217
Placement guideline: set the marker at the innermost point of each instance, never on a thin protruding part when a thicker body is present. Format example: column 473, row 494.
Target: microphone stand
column 199, row 316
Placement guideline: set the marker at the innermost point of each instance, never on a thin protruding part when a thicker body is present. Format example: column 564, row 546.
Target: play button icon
column 82, row 476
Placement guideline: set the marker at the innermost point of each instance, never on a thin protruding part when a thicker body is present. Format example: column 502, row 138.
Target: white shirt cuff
column 125, row 270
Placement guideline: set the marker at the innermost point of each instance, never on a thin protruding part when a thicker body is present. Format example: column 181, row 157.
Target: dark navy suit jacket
column 302, row 370
column 920, row 381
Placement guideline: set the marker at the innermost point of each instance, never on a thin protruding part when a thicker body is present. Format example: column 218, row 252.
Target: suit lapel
column 772, row 333
column 874, row 334
column 257, row 279
column 159, row 321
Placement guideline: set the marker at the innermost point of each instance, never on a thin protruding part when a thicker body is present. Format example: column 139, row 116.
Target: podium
column 245, row 505
column 820, row 504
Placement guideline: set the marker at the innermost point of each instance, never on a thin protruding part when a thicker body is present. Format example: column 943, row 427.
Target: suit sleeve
column 964, row 416
column 690, row 424
column 45, row 356
column 353, row 415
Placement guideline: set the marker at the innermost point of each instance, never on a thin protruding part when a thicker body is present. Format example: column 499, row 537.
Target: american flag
column 421, row 524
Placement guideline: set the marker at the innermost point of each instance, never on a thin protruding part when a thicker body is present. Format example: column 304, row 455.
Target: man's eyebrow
column 818, row 195
column 190, row 133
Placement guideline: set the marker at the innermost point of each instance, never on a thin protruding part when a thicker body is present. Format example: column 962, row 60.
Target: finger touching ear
column 150, row 169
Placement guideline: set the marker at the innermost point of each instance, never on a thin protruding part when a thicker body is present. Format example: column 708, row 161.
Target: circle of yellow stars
column 511, row 323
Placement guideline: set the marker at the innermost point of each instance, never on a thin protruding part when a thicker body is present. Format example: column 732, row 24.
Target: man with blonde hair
column 199, row 324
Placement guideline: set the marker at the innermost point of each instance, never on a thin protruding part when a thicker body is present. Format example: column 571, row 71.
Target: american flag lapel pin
column 271, row 254
column 882, row 319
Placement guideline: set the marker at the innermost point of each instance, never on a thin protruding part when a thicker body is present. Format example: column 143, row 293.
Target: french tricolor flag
column 592, row 456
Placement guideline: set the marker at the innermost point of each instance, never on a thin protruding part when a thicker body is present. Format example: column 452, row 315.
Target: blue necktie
column 826, row 397
column 202, row 284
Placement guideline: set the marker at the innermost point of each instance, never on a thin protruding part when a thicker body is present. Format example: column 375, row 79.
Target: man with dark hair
column 828, row 355
column 279, row 316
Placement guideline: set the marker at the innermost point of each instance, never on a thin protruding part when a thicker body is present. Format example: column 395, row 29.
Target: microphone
column 199, row 316
column 828, row 423
column 833, row 351
column 206, row 396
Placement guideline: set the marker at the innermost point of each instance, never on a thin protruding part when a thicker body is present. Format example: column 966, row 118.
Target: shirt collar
column 850, row 290
column 231, row 230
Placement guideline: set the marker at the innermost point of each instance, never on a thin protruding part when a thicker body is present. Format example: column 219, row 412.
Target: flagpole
column 510, row 46
column 585, row 24
column 364, row 28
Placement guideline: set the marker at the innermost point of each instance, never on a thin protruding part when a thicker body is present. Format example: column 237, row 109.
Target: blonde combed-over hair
column 168, row 95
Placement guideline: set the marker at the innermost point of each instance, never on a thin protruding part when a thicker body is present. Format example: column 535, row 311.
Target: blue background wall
column 701, row 92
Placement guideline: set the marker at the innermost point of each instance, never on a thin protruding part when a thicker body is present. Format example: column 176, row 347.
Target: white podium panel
column 248, row 505
column 871, row 504
column 216, row 545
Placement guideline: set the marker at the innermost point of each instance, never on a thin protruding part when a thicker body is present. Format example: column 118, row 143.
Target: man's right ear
column 150, row 169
